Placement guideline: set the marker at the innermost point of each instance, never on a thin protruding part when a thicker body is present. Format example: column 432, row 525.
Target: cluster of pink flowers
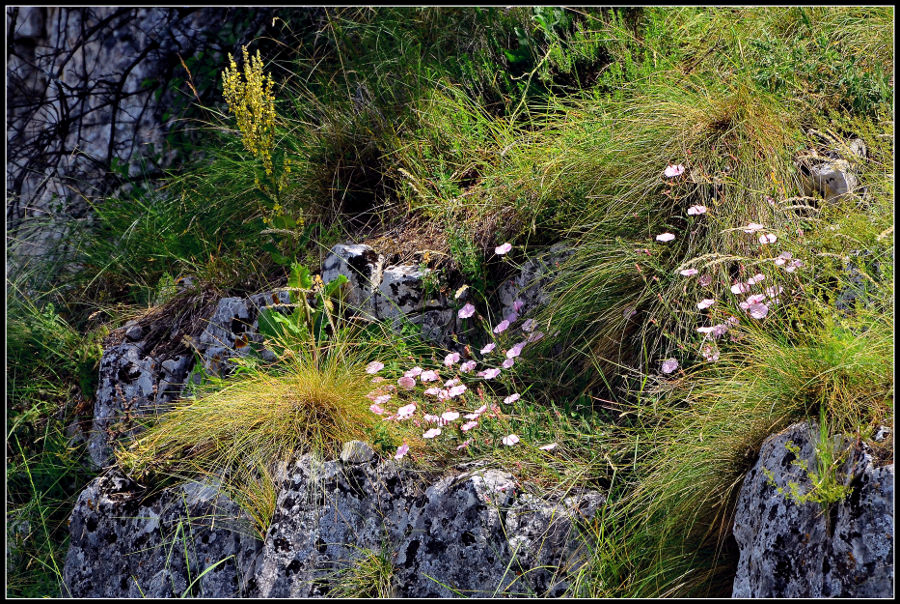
column 452, row 392
column 756, row 305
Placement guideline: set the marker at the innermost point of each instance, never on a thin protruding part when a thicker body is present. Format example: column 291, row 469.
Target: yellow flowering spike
column 252, row 102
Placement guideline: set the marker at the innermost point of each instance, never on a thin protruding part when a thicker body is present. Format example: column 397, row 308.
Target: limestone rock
column 832, row 179
column 356, row 451
column 471, row 533
column 789, row 549
column 531, row 282
column 402, row 291
column 362, row 266
column 233, row 327
column 127, row 388
column 474, row 532
column 403, row 294
column 127, row 545
column 133, row 383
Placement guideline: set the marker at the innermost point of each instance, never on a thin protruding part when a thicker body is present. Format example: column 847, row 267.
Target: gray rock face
column 832, row 179
column 362, row 266
column 126, row 545
column 233, row 327
column 402, row 291
column 789, row 549
column 133, row 383
column 470, row 533
column 88, row 96
column 530, row 284
column 128, row 388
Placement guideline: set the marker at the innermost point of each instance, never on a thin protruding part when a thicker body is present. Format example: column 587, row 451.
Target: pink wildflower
column 768, row 238
column 782, row 258
column 429, row 376
column 501, row 326
column 793, row 266
column 488, row 348
column 464, row 445
column 489, row 374
column 753, row 227
column 414, row 372
column 510, row 440
column 456, row 390
column 466, row 311
column 508, row 363
column 517, row 304
column 406, row 411
column 380, row 400
column 433, row 391
column 664, row 237
column 755, row 298
column 515, row 351
column 502, row 249
column 705, row 280
column 705, row 303
column 468, row 426
column 376, row 409
column 432, row 433
column 672, row 171
column 740, row 288
column 430, row 418
column 710, row 353
column 529, row 325
column 719, row 330
column 756, row 279
column 669, row 365
column 449, row 416
column 534, row 336
column 401, row 451
column 688, row 272
column 509, row 400
column 451, row 358
column 758, row 311
column 696, row 210
column 549, row 447
column 374, row 367
column 467, row 366
column 407, row 383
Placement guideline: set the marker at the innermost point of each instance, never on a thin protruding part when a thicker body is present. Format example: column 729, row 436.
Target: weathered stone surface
column 127, row 386
column 356, row 451
column 362, row 266
column 531, row 282
column 473, row 533
column 233, row 327
column 467, row 532
column 91, row 94
column 403, row 294
column 402, row 291
column 832, row 179
column 124, row 545
column 133, row 383
column 788, row 549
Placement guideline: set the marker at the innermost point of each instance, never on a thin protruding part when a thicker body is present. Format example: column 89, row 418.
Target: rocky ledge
column 792, row 549
column 472, row 532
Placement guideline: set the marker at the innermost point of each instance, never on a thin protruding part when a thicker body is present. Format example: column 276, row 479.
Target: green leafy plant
column 827, row 485
column 307, row 322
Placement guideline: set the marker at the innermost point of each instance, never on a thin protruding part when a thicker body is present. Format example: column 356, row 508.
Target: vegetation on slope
column 456, row 130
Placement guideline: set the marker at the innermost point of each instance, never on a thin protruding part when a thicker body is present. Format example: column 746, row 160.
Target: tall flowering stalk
column 252, row 102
